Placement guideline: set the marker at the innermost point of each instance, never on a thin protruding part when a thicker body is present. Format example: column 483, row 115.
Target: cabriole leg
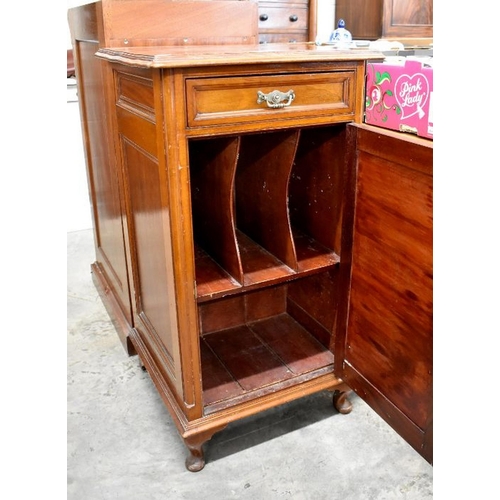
column 340, row 401
column 196, row 459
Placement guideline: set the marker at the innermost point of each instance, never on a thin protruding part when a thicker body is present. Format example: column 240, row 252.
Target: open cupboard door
column 384, row 341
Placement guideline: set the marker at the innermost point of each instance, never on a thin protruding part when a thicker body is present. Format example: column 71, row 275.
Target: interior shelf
column 260, row 267
column 248, row 360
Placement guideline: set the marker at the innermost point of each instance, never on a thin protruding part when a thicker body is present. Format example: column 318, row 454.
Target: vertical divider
column 213, row 165
column 316, row 185
column 261, row 184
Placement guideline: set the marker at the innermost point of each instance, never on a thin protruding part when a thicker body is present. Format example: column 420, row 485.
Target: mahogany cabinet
column 373, row 19
column 246, row 246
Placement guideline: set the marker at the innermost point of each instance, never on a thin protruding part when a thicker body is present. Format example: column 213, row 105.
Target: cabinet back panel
column 313, row 302
column 222, row 314
column 239, row 310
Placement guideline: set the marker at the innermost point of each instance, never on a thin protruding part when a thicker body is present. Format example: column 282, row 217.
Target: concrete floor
column 122, row 443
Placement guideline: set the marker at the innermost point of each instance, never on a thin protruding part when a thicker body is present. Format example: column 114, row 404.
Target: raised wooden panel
column 409, row 19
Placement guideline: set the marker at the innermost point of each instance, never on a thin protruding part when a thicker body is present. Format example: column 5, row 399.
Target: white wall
column 326, row 19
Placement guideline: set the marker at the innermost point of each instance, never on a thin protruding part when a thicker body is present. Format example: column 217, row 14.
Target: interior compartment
column 267, row 216
column 261, row 341
column 266, row 207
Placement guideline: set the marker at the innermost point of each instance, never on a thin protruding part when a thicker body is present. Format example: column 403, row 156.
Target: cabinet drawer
column 293, row 18
column 231, row 100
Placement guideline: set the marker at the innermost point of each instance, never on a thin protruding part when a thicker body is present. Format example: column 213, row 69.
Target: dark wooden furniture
column 285, row 21
column 397, row 19
column 223, row 181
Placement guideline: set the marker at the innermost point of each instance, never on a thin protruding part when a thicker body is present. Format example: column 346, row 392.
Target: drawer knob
column 276, row 99
column 293, row 18
column 263, row 17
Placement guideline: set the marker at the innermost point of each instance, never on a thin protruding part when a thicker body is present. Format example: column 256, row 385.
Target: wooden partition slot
column 315, row 200
column 212, row 171
column 261, row 349
column 261, row 184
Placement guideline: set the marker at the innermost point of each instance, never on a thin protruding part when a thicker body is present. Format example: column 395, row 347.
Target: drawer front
column 231, row 100
column 294, row 18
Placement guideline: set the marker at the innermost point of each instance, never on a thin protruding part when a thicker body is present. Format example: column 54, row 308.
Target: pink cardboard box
column 398, row 96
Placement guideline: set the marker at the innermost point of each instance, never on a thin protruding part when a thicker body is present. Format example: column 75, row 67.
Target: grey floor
column 122, row 443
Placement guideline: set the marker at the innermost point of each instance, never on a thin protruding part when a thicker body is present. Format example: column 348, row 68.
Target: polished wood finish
column 396, row 19
column 179, row 23
column 387, row 351
column 233, row 221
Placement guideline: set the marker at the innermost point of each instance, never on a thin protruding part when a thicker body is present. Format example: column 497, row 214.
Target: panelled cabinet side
column 95, row 90
column 158, row 209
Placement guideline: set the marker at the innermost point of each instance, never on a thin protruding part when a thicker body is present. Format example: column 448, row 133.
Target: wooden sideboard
column 232, row 189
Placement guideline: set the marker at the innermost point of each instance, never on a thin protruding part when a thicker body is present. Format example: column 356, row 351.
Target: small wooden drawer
column 273, row 18
column 232, row 100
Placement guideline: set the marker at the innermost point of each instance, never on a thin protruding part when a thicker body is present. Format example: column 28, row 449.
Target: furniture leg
column 195, row 461
column 340, row 401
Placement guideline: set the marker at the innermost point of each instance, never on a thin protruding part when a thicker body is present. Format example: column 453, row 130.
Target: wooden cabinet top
column 207, row 55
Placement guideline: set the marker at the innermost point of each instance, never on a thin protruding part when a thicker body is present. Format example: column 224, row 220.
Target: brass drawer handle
column 275, row 98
